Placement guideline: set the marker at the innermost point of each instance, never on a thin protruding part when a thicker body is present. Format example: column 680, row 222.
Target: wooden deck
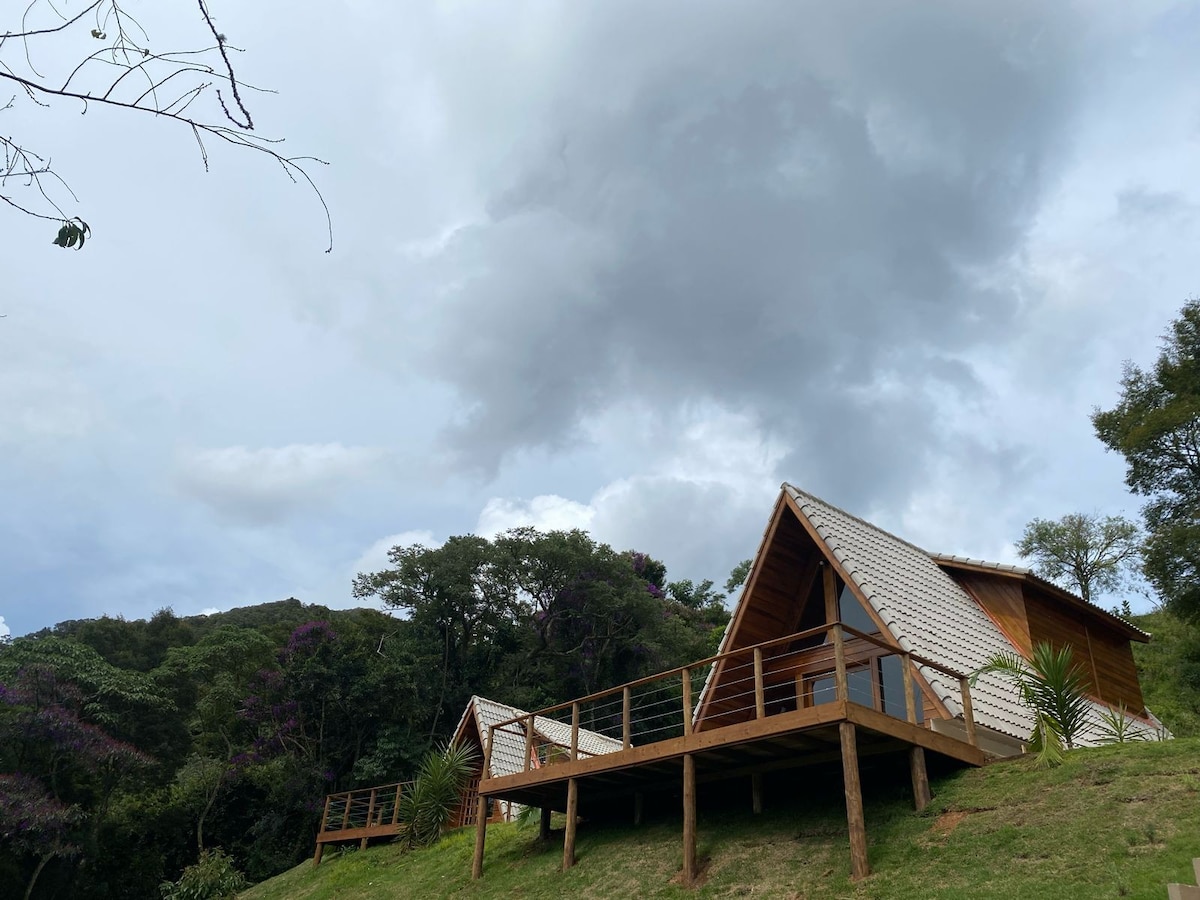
column 816, row 696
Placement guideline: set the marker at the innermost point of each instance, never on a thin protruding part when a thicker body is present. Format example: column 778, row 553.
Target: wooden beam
column 572, row 815
column 574, row 731
column 689, row 820
column 760, row 709
column 756, row 793
column 910, row 706
column 832, row 614
column 841, row 683
column 528, row 764
column 481, row 808
column 638, row 807
column 687, row 702
column 920, row 777
column 544, row 824
column 317, row 856
column 625, row 724
column 859, row 865
column 968, row 715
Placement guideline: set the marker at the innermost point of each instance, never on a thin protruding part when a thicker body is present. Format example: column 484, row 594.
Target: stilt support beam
column 920, row 778
column 572, row 815
column 859, row 865
column 689, row 820
column 317, row 856
column 544, row 824
column 756, row 792
column 638, row 808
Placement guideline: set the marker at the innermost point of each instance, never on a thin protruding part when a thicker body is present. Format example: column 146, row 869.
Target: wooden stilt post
column 920, row 777
column 756, row 792
column 544, row 824
column 572, row 814
column 481, row 807
column 317, row 856
column 689, row 820
column 859, row 865
column 638, row 808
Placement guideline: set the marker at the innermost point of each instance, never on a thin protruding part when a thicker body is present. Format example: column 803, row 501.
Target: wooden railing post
column 346, row 811
column 687, row 702
column 968, row 715
column 839, row 657
column 481, row 807
column 528, row 744
column 760, row 708
column 910, row 705
column 574, row 731
column 325, row 814
column 362, row 845
column 396, row 804
column 626, row 731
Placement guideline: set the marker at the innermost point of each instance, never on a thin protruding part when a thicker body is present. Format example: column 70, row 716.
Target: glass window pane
column 893, row 689
column 853, row 614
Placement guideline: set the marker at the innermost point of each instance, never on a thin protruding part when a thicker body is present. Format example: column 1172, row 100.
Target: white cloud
column 547, row 512
column 4, row 631
column 269, row 483
column 375, row 557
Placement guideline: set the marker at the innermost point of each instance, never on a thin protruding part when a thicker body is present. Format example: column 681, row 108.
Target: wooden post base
column 572, row 814
column 317, row 856
column 859, row 865
column 920, row 778
column 544, row 824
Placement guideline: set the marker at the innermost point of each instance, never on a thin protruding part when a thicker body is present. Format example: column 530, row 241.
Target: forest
column 129, row 747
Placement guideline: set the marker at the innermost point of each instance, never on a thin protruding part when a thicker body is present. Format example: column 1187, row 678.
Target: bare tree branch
column 103, row 77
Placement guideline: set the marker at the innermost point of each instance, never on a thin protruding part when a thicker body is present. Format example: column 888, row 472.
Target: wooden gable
column 1030, row 611
column 787, row 592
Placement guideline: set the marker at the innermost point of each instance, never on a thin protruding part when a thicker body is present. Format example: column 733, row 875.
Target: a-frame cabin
column 847, row 642
column 948, row 609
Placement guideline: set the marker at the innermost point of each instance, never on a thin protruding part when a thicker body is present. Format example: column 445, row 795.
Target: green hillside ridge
column 1119, row 821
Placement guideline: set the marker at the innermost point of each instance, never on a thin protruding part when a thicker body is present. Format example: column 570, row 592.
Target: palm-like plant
column 426, row 809
column 1054, row 688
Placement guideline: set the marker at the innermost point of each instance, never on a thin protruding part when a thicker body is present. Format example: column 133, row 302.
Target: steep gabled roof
column 923, row 608
column 508, row 755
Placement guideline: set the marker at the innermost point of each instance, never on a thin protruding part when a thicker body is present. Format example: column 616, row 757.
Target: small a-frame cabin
column 847, row 642
column 549, row 742
column 948, row 609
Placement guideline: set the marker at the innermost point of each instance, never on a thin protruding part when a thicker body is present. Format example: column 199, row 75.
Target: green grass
column 1119, row 821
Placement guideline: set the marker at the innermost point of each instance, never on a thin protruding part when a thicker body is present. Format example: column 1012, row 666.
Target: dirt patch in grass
column 948, row 821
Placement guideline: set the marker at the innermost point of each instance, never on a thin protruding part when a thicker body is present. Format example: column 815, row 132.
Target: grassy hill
column 1119, row 821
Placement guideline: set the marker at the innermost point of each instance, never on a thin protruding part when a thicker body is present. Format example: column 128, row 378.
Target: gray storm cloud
column 805, row 214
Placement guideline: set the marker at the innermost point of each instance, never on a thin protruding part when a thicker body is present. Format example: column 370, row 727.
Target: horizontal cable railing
column 364, row 808
column 808, row 668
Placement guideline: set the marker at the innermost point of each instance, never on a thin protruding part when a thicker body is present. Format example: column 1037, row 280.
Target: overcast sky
column 624, row 266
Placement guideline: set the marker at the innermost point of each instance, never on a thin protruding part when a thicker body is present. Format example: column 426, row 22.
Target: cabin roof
column 508, row 755
column 925, row 610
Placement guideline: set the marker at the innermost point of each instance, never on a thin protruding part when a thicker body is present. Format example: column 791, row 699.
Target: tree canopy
column 1156, row 427
column 1090, row 553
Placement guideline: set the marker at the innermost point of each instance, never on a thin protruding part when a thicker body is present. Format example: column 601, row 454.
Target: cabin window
column 821, row 688
column 853, row 614
column 892, row 686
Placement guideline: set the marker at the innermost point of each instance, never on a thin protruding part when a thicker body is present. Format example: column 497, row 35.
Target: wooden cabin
column 847, row 642
column 952, row 610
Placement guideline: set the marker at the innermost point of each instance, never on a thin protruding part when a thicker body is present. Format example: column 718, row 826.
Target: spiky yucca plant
column 1054, row 688
column 426, row 808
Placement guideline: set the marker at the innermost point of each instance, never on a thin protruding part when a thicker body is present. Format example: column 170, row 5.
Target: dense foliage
column 1156, row 427
column 133, row 750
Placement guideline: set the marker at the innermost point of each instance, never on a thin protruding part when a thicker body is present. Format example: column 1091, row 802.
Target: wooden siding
column 1002, row 599
column 1105, row 654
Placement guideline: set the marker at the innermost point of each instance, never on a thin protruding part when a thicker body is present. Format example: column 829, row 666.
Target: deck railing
column 364, row 808
column 808, row 668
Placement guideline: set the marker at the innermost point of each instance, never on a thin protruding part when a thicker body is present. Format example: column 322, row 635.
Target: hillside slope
column 1119, row 821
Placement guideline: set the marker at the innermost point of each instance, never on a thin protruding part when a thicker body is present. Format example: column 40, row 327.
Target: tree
column 1090, row 553
column 193, row 87
column 1156, row 427
column 738, row 576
